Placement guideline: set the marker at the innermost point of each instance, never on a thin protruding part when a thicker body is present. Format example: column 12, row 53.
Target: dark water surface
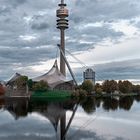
column 94, row 119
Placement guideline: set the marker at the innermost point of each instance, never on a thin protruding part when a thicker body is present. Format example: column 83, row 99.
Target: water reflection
column 55, row 111
column 90, row 104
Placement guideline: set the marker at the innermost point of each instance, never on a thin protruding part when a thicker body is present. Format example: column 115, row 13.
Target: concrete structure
column 62, row 24
column 89, row 74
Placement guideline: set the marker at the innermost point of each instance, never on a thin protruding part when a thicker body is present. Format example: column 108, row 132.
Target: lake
column 109, row 118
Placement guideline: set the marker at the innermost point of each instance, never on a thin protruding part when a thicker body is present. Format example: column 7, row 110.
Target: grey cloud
column 93, row 10
column 27, row 55
column 4, row 10
column 14, row 3
column 42, row 25
column 129, row 69
column 90, row 37
column 102, row 32
column 11, row 59
column 39, row 23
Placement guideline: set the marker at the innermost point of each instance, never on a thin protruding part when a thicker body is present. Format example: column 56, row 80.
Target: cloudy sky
column 103, row 34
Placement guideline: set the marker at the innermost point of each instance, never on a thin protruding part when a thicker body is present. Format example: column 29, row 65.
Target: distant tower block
column 89, row 74
column 62, row 24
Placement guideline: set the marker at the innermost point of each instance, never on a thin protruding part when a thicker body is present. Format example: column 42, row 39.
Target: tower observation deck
column 62, row 24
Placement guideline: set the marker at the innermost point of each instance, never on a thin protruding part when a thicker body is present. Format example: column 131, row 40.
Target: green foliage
column 30, row 84
column 88, row 86
column 40, row 86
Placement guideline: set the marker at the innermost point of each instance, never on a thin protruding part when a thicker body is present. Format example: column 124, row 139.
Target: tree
column 126, row 102
column 88, row 86
column 109, row 86
column 125, row 86
column 98, row 88
column 40, row 86
column 89, row 105
column 30, row 84
column 136, row 88
column 21, row 82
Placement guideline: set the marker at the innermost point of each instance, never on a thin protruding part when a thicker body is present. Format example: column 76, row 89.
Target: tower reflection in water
column 54, row 110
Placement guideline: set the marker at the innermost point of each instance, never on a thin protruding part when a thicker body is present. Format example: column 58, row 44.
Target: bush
column 41, row 86
column 30, row 84
column 99, row 90
column 79, row 94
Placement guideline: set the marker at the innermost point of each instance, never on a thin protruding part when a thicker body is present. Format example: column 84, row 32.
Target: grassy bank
column 51, row 94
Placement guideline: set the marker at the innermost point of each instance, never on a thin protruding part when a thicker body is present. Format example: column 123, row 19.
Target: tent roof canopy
column 53, row 77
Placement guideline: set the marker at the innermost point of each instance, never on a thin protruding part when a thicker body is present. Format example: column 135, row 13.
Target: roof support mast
column 70, row 70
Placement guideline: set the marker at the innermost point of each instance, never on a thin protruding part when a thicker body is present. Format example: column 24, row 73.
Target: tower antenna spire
column 62, row 1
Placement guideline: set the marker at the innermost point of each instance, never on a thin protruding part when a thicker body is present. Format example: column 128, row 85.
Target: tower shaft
column 62, row 24
column 62, row 44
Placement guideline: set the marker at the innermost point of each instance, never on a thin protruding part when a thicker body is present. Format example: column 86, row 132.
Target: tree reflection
column 137, row 98
column 89, row 105
column 2, row 102
column 126, row 102
column 98, row 102
column 110, row 103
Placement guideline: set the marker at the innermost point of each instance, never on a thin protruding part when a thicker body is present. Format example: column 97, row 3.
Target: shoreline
column 90, row 95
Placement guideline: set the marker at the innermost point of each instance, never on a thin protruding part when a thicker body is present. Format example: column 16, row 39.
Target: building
column 89, row 74
column 14, row 88
column 55, row 79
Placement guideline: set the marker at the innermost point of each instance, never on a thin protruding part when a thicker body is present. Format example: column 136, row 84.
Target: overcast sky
column 103, row 34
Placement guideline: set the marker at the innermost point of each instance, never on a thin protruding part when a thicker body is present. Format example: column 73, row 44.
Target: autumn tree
column 21, row 82
column 125, row 86
column 136, row 88
column 109, row 86
column 98, row 88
